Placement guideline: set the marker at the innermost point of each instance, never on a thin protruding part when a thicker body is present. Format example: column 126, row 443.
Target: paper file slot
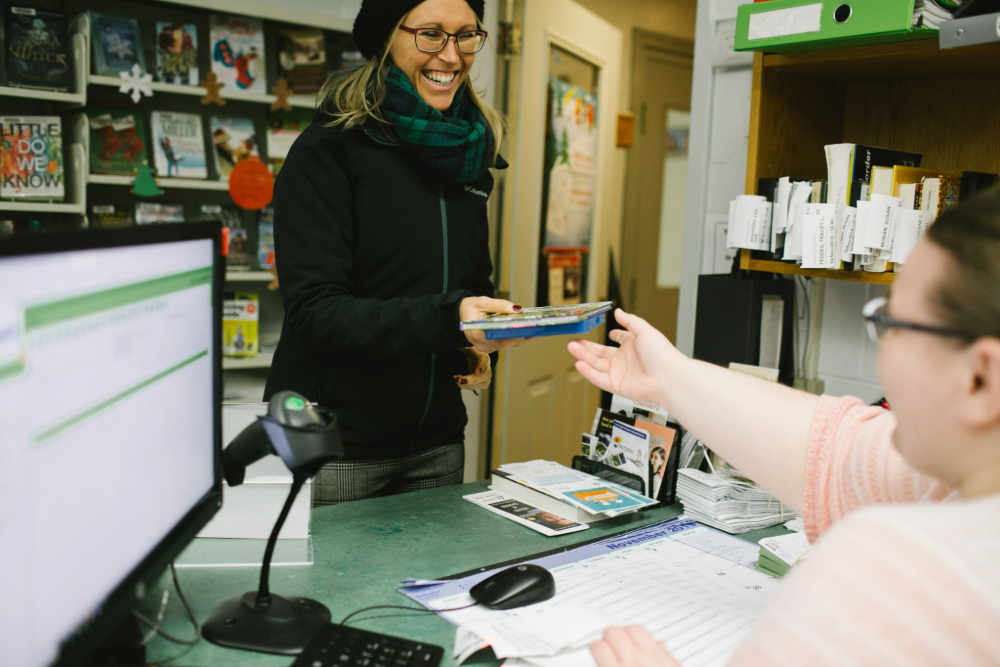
column 882, row 217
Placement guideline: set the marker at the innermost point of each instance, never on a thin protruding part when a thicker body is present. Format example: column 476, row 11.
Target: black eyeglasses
column 879, row 323
column 432, row 40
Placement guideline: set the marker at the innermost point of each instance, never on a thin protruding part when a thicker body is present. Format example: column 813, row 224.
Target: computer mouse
column 515, row 587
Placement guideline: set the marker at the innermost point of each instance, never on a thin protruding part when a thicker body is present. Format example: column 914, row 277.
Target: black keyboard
column 340, row 646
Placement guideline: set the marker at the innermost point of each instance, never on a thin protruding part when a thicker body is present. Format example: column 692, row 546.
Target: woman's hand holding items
column 480, row 372
column 636, row 368
column 478, row 307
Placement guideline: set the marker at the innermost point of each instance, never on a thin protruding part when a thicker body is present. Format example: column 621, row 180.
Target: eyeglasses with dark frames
column 878, row 323
column 432, row 40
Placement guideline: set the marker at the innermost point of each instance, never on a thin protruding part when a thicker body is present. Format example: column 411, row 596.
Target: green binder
column 782, row 26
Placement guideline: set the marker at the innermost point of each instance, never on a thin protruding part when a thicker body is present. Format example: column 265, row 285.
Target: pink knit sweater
column 893, row 579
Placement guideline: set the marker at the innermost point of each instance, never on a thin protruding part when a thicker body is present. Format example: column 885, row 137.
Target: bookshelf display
column 909, row 96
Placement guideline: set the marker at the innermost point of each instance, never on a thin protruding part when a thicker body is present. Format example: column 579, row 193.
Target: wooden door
column 542, row 404
column 653, row 227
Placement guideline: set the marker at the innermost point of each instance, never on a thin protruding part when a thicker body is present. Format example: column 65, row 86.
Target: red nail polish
column 518, row 309
column 463, row 381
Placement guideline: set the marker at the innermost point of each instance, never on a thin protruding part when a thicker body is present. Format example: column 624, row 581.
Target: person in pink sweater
column 903, row 506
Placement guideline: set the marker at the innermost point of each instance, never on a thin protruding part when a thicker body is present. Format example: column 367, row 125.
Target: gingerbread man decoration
column 212, row 87
column 282, row 91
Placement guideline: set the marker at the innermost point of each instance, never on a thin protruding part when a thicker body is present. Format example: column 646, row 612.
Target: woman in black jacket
column 381, row 248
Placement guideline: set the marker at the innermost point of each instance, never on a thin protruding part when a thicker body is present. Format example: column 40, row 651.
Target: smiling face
column 436, row 76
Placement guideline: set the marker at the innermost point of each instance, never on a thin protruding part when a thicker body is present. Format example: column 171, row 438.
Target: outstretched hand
column 630, row 647
column 636, row 369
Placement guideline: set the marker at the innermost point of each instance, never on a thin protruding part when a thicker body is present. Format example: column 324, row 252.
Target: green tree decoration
column 144, row 184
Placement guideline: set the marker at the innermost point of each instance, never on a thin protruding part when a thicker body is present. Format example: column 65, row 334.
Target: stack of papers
column 728, row 501
column 779, row 554
column 695, row 589
column 574, row 489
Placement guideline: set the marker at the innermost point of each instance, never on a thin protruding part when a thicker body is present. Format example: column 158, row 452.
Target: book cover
column 866, row 157
column 177, row 53
column 265, row 239
column 179, row 145
column 302, row 59
column 240, row 315
column 237, row 44
column 105, row 215
column 948, row 194
column 31, row 157
column 540, row 316
column 150, row 212
column 543, row 521
column 282, row 131
column 238, row 255
column 38, row 48
column 117, row 140
column 117, row 46
column 234, row 139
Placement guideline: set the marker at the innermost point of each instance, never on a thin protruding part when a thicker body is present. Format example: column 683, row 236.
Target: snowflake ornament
column 118, row 45
column 136, row 82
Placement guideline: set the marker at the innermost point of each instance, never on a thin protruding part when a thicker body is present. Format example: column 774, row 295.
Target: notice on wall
column 573, row 175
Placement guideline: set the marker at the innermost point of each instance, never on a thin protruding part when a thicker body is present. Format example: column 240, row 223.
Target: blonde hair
column 352, row 98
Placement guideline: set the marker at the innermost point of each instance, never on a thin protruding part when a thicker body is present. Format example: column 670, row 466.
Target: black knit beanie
column 377, row 17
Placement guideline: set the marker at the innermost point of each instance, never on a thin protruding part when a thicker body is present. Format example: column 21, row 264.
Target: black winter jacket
column 374, row 253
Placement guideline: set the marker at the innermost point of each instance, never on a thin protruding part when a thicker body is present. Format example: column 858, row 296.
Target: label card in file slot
column 882, row 215
column 820, row 241
column 848, row 216
column 909, row 230
column 750, row 226
column 784, row 22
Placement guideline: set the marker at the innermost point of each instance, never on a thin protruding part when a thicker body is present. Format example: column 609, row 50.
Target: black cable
column 805, row 344
column 393, row 606
column 180, row 595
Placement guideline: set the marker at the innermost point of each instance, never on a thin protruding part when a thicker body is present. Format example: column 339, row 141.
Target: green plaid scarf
column 457, row 144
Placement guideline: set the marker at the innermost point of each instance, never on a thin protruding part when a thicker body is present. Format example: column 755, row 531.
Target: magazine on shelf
column 541, row 520
column 150, row 212
column 117, row 45
column 284, row 127
column 177, row 53
column 117, row 140
column 234, row 139
column 265, row 239
column 237, row 52
column 38, row 48
column 31, row 157
column 179, row 145
column 302, row 60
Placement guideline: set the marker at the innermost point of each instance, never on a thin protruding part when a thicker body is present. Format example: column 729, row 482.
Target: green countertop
column 362, row 551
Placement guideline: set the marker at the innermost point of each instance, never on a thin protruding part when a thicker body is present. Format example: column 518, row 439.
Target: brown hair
column 968, row 297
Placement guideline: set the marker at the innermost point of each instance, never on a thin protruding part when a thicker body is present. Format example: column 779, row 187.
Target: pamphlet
column 543, row 521
column 590, row 493
column 539, row 317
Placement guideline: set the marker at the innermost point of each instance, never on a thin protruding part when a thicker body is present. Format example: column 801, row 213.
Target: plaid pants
column 344, row 481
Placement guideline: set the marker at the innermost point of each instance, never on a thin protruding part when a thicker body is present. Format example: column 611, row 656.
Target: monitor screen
column 107, row 425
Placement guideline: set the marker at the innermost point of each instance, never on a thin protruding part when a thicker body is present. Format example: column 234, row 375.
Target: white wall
column 720, row 118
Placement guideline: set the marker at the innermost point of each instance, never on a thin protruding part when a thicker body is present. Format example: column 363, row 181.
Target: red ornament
column 251, row 185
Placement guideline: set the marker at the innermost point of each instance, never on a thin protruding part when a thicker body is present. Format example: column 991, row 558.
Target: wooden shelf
column 262, row 360
column 303, row 101
column 248, row 277
column 917, row 59
column 909, row 96
column 748, row 262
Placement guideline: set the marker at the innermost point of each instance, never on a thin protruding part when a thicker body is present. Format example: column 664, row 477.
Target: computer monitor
column 110, row 425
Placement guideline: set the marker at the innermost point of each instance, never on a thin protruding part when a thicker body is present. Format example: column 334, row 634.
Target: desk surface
column 363, row 550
